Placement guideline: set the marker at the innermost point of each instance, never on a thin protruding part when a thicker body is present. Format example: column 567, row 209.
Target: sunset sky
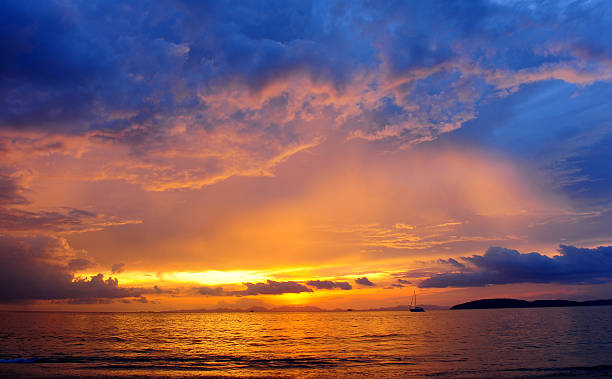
column 163, row 155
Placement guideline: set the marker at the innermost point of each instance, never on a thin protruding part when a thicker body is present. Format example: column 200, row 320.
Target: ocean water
column 550, row 342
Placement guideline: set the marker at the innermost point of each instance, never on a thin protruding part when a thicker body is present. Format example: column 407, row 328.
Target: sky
column 163, row 155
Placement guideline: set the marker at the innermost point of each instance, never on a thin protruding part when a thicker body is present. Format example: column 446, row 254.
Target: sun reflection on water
column 307, row 344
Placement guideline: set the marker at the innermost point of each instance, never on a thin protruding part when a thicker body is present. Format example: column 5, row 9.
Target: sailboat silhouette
column 413, row 307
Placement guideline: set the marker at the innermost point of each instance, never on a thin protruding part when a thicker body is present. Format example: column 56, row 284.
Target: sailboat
column 414, row 308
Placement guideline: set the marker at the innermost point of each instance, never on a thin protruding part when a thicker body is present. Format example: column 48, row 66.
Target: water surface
column 467, row 343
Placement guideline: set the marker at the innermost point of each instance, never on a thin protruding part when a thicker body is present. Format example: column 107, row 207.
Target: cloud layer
column 296, row 136
column 183, row 95
column 270, row 287
column 504, row 266
column 41, row 268
column 329, row 285
column 364, row 282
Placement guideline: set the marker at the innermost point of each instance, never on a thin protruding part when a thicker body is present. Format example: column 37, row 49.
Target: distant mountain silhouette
column 514, row 303
column 296, row 308
column 299, row 308
column 286, row 308
column 406, row 308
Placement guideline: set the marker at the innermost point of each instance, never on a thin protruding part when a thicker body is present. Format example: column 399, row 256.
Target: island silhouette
column 514, row 303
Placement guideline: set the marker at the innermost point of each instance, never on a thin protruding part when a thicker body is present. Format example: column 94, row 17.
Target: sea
column 492, row 343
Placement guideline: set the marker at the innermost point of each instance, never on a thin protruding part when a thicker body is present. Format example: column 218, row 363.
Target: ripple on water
column 378, row 343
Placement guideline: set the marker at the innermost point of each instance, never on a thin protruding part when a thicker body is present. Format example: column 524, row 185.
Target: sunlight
column 214, row 277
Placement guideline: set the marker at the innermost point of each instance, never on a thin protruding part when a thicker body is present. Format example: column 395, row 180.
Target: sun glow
column 211, row 277
column 214, row 277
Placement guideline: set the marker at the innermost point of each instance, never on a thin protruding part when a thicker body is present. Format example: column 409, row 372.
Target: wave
column 596, row 368
column 209, row 362
column 525, row 372
column 384, row 335
column 18, row 360
column 212, row 361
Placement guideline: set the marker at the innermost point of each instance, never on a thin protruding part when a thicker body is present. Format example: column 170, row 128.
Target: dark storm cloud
column 270, row 287
column 61, row 66
column 49, row 66
column 504, row 266
column 364, row 282
column 31, row 268
column 410, row 71
column 328, row 285
column 410, row 48
column 61, row 63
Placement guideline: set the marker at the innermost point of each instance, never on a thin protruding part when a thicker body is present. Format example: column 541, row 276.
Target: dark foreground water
column 553, row 342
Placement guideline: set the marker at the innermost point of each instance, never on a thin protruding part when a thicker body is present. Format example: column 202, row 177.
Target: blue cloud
column 409, row 72
column 65, row 52
column 504, row 266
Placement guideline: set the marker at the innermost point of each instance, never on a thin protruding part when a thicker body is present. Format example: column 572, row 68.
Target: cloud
column 210, row 291
column 141, row 299
column 118, row 268
column 328, row 285
column 63, row 220
column 175, row 96
column 452, row 262
column 170, row 291
column 270, row 287
column 504, row 266
column 364, row 282
column 14, row 219
column 404, row 281
column 79, row 264
column 41, row 268
column 184, row 95
column 11, row 192
column 56, row 62
column 66, row 220
column 403, row 226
